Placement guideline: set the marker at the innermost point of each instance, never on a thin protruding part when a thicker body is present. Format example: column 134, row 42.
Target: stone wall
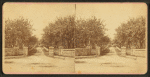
column 93, row 52
column 51, row 51
column 133, row 52
column 139, row 52
column 68, row 52
column 11, row 51
column 16, row 51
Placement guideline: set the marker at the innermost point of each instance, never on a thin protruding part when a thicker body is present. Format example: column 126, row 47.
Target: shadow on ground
column 9, row 62
column 109, row 64
column 41, row 64
column 80, row 61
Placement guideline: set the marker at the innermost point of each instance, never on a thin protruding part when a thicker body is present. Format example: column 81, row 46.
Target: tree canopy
column 71, row 33
column 17, row 32
column 132, row 33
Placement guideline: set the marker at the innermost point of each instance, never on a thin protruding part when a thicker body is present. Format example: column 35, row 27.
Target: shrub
column 32, row 52
column 56, row 51
column 82, row 52
column 104, row 50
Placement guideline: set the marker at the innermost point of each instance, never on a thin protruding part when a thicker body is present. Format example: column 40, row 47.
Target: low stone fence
column 73, row 52
column 133, row 52
column 139, row 52
column 11, row 51
column 68, row 52
column 60, row 52
column 136, row 52
column 93, row 52
column 16, row 51
column 51, row 51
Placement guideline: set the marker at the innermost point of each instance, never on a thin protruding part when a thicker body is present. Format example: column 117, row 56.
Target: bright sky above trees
column 41, row 14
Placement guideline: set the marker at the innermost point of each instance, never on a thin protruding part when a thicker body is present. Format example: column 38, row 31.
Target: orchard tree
column 17, row 32
column 90, row 32
column 61, row 32
column 71, row 33
column 132, row 33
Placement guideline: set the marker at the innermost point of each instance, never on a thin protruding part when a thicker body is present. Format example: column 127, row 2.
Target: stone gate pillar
column 25, row 50
column 89, row 47
column 60, row 50
column 97, row 50
column 51, row 51
column 123, row 51
column 17, row 50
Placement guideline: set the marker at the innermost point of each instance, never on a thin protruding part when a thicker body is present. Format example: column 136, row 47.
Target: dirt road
column 39, row 63
column 111, row 63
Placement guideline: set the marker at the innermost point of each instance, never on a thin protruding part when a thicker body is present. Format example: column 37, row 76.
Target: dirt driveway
column 111, row 63
column 38, row 63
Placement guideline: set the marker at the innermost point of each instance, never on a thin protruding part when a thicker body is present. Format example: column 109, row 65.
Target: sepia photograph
column 74, row 38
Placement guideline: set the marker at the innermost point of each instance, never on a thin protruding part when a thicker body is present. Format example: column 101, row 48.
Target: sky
column 41, row 14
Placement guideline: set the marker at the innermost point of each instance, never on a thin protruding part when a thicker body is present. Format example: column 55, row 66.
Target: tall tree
column 17, row 32
column 60, row 32
column 90, row 32
column 71, row 33
column 132, row 33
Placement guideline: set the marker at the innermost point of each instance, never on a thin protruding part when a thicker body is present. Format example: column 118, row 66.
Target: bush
column 56, row 51
column 82, row 52
column 104, row 50
column 32, row 52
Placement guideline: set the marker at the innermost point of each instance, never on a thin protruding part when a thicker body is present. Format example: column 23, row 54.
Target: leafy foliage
column 132, row 33
column 17, row 32
column 71, row 33
column 32, row 41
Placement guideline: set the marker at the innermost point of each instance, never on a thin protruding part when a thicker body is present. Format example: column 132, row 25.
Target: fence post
column 98, row 50
column 25, row 50
column 90, row 48
column 51, row 51
column 123, row 51
column 17, row 50
column 60, row 51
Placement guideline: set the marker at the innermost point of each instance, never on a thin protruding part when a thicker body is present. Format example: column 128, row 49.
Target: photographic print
column 74, row 38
